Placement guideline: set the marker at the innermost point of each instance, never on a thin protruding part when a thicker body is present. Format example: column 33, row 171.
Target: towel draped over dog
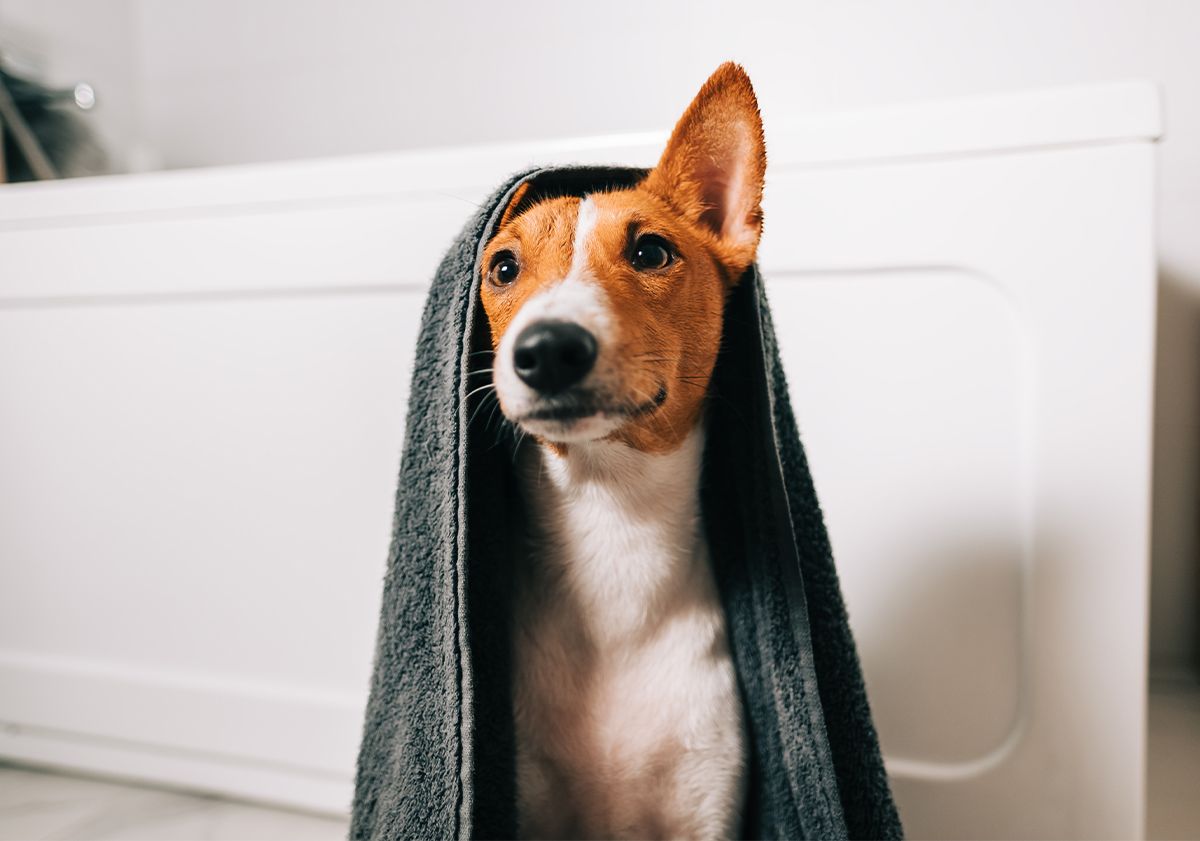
column 437, row 756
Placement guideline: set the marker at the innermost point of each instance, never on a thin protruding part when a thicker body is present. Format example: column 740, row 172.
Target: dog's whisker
column 503, row 427
column 483, row 387
column 457, row 198
column 483, row 402
column 521, row 434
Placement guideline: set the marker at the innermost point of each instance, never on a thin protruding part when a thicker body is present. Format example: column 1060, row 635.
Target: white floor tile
column 44, row 806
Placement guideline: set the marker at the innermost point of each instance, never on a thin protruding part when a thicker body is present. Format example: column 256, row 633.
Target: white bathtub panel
column 202, row 520
column 219, row 462
column 909, row 389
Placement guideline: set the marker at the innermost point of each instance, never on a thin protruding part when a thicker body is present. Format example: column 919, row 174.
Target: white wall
column 228, row 81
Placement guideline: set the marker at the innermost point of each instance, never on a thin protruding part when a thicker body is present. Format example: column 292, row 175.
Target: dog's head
column 606, row 311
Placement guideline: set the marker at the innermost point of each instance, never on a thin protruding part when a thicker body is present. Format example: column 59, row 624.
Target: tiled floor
column 40, row 805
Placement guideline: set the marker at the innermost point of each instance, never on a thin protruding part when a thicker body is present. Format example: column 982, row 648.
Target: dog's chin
column 576, row 420
column 573, row 430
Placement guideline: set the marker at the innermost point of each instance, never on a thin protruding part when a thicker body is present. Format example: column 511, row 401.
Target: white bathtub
column 203, row 378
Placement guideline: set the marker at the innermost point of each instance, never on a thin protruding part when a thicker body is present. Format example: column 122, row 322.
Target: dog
column 606, row 315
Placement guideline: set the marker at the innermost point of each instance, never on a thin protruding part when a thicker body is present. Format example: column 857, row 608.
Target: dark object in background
column 437, row 758
column 42, row 135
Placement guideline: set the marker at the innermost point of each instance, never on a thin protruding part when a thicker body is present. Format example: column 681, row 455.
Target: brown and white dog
column 606, row 318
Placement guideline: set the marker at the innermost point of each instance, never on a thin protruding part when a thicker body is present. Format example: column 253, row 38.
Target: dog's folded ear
column 713, row 167
column 522, row 198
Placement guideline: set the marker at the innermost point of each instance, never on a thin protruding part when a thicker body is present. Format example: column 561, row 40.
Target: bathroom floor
column 43, row 805
column 40, row 805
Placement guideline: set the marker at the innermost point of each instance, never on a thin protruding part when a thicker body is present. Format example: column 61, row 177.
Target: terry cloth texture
column 437, row 756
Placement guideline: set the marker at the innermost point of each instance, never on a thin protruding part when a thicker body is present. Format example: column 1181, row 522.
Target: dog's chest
column 625, row 698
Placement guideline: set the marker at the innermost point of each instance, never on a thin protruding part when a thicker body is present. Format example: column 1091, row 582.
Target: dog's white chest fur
column 628, row 719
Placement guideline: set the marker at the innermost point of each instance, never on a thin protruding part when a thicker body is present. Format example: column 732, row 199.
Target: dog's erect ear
column 713, row 167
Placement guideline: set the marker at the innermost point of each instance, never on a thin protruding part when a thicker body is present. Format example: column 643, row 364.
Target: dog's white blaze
column 585, row 224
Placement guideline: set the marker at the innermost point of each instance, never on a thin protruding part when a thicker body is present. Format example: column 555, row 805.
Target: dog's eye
column 652, row 252
column 505, row 268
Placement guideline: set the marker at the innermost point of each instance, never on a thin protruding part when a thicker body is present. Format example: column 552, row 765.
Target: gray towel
column 437, row 756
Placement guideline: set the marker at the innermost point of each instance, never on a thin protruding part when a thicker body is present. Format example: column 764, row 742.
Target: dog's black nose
column 551, row 356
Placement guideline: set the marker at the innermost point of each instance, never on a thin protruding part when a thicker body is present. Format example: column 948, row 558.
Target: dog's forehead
column 556, row 219
column 551, row 216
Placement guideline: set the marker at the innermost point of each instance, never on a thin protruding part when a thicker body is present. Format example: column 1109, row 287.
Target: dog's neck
column 618, row 532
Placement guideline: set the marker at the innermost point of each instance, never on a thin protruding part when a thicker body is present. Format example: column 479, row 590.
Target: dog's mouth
column 573, row 406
